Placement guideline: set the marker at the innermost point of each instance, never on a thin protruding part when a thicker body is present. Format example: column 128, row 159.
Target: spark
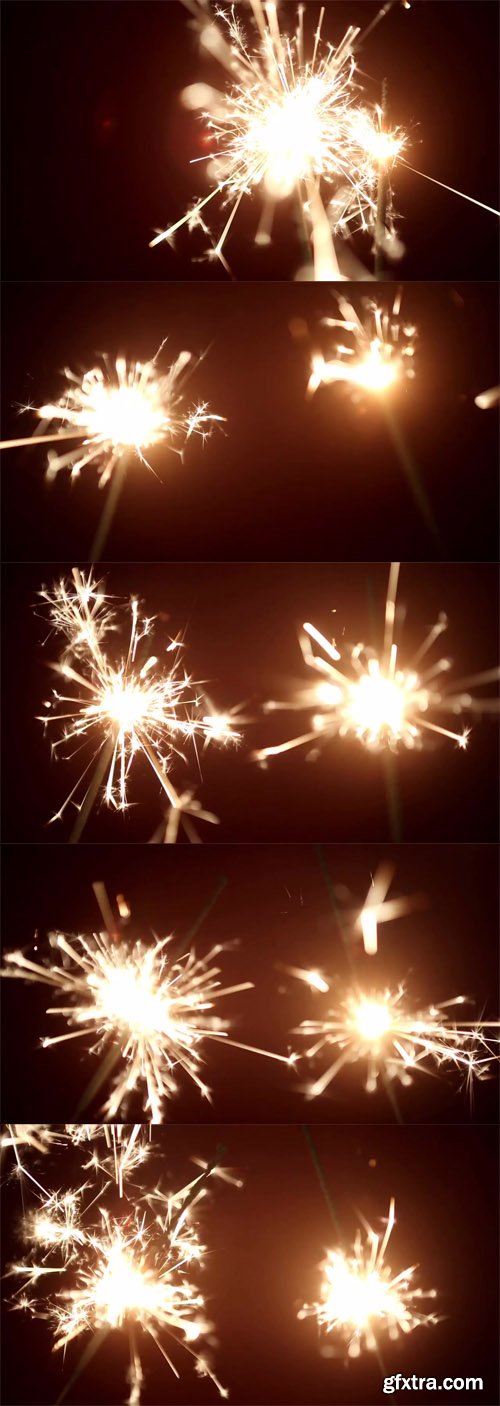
column 378, row 908
column 114, row 409
column 378, row 355
column 360, row 1297
column 291, row 121
column 121, row 706
column 380, row 1030
column 487, row 400
column 154, row 1009
column 382, row 703
column 134, row 1267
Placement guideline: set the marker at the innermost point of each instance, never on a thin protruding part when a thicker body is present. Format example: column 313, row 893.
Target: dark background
column 97, row 147
column 241, row 624
column 286, row 477
column 278, row 907
column 266, row 1242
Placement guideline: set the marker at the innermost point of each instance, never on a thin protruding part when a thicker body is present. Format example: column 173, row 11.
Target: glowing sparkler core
column 119, row 409
column 289, row 122
column 379, row 1029
column 125, row 708
column 131, row 1269
column 383, row 705
column 361, row 1298
column 155, row 1009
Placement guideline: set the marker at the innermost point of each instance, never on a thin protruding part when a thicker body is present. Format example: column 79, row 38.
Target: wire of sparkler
column 320, row 1173
column 96, row 1341
column 382, row 194
column 87, row 804
column 114, row 491
column 347, row 945
column 219, row 888
column 411, row 474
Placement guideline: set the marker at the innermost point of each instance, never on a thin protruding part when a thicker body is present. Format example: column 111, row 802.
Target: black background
column 97, row 146
column 286, row 478
column 241, row 623
column 266, row 1242
column 277, row 906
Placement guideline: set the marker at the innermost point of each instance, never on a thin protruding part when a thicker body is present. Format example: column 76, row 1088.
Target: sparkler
column 133, row 1267
column 381, row 703
column 378, row 356
column 121, row 707
column 115, row 409
column 152, row 1009
column 293, row 121
column 380, row 1030
column 360, row 1297
column 290, row 122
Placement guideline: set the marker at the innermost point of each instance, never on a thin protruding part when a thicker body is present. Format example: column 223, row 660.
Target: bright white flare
column 360, row 1297
column 154, row 1009
column 291, row 120
column 379, row 1030
column 115, row 409
column 382, row 703
column 378, row 354
column 122, row 705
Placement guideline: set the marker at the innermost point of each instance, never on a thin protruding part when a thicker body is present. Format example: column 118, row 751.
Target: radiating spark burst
column 114, row 409
column 291, row 120
column 133, row 1268
column 123, row 706
column 152, row 1008
column 39, row 1136
column 360, row 1297
column 382, row 704
column 379, row 1030
column 378, row 356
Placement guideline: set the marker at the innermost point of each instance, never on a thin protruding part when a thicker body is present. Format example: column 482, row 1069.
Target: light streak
column 122, row 705
column 382, row 702
column 377, row 355
column 117, row 408
column 360, row 1298
column 291, row 121
column 153, row 1008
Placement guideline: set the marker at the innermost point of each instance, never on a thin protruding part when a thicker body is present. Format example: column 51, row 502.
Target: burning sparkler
column 378, row 356
column 121, row 707
column 381, row 703
column 379, row 1029
column 115, row 409
column 291, row 121
column 132, row 1267
column 151, row 1008
column 360, row 1297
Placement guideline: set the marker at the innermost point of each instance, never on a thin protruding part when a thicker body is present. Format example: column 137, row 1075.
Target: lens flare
column 361, row 1299
column 123, row 706
column 115, row 409
column 383, row 703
